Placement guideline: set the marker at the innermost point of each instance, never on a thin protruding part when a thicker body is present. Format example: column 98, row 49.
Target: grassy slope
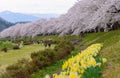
column 111, row 51
column 13, row 55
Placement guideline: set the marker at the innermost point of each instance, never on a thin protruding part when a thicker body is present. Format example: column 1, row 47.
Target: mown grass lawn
column 12, row 56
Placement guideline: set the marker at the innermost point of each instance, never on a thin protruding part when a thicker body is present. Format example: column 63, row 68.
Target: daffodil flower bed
column 86, row 64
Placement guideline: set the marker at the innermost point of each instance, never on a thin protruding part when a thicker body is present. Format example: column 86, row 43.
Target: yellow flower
column 92, row 62
column 80, row 62
column 73, row 75
column 47, row 76
column 80, row 76
column 104, row 60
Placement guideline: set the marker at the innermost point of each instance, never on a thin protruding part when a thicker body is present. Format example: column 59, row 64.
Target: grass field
column 12, row 56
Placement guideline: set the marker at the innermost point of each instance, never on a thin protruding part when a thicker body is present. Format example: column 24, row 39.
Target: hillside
column 4, row 24
column 85, row 16
column 111, row 42
column 111, row 51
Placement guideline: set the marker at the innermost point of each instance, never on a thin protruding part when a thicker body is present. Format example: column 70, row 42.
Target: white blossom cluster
column 84, row 16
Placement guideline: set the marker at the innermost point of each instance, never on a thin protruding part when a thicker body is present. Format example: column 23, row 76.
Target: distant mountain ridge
column 4, row 24
column 20, row 17
column 47, row 16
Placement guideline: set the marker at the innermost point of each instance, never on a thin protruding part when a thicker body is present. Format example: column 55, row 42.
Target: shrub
column 4, row 46
column 4, row 75
column 16, row 47
column 28, row 42
column 65, row 45
column 63, row 49
column 43, row 58
column 19, row 69
column 5, row 49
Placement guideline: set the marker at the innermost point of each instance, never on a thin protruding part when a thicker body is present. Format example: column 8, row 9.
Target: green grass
column 111, row 51
column 12, row 56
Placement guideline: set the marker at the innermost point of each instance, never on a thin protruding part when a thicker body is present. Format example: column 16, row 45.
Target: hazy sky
column 36, row 6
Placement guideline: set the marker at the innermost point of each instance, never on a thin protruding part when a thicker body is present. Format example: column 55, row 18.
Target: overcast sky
column 36, row 6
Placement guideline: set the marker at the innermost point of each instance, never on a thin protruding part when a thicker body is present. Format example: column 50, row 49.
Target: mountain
column 47, row 16
column 4, row 24
column 85, row 16
column 20, row 17
column 17, row 17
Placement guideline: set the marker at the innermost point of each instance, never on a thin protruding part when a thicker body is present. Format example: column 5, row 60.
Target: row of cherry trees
column 84, row 17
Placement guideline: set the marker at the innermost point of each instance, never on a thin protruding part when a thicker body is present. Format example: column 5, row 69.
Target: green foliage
column 19, row 69
column 43, row 58
column 5, row 49
column 93, row 72
column 7, row 45
column 63, row 48
column 4, row 75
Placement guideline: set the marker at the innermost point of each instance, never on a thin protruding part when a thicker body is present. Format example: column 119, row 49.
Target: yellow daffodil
column 75, row 66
